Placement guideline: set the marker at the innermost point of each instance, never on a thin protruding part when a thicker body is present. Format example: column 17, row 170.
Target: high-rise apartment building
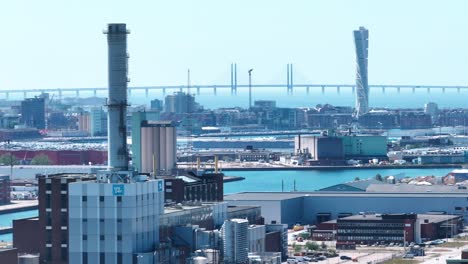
column 97, row 122
column 234, row 234
column 33, row 112
column 179, row 103
column 361, row 42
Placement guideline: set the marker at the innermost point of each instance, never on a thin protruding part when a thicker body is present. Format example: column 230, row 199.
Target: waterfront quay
column 18, row 206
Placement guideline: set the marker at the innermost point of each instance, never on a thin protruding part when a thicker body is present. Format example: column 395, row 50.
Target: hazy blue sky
column 57, row 43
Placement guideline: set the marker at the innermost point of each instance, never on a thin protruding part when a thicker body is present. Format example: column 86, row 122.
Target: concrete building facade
column 317, row 207
column 235, row 244
column 114, row 222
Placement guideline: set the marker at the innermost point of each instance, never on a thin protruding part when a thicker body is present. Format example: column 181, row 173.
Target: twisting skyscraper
column 361, row 42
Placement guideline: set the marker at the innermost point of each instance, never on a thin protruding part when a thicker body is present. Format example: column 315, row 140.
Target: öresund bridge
column 289, row 86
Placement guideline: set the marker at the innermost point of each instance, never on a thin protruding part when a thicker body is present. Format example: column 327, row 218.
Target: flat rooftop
column 181, row 208
column 413, row 188
column 279, row 196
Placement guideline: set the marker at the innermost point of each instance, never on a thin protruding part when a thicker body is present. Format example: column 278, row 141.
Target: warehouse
column 316, row 207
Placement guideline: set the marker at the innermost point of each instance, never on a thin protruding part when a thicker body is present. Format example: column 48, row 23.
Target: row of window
column 102, row 258
column 367, row 224
column 101, row 198
column 102, row 237
column 370, row 231
column 370, row 238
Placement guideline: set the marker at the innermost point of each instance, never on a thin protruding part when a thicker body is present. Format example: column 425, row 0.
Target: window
column 119, row 199
column 102, row 258
column 101, row 237
column 101, row 198
column 458, row 208
column 84, row 198
column 48, row 200
column 85, row 258
column 119, row 258
column 119, row 220
column 119, row 237
column 64, row 253
column 64, row 200
column 85, row 237
column 101, row 220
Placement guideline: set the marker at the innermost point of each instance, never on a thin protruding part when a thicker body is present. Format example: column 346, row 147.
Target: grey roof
column 237, row 208
column 412, row 188
column 278, row 196
column 368, row 217
column 433, row 218
column 358, row 185
column 437, row 218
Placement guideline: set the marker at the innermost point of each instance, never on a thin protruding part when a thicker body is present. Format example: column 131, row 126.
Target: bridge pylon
column 233, row 78
column 289, row 78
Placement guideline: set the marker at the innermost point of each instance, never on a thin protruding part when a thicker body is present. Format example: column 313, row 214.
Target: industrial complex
column 154, row 192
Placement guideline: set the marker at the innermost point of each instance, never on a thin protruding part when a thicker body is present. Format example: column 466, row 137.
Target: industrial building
column 158, row 148
column 33, row 112
column 53, row 216
column 367, row 228
column 206, row 187
column 362, row 147
column 5, row 189
column 22, row 230
column 372, row 228
column 361, row 43
column 114, row 222
column 316, row 207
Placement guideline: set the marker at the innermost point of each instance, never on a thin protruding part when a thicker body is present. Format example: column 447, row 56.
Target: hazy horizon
column 58, row 44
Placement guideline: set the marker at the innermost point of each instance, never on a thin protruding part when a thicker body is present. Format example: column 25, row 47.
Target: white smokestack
column 117, row 98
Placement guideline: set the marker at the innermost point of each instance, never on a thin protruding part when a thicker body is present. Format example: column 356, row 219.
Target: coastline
column 331, row 168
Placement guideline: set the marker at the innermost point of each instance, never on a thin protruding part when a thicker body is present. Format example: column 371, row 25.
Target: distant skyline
column 59, row 44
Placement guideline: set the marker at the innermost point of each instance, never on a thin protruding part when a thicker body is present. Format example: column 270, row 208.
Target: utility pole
column 250, row 88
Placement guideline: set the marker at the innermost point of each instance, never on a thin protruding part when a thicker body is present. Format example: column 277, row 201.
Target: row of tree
column 9, row 159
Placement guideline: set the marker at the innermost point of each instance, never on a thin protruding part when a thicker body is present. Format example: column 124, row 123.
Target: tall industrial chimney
column 117, row 98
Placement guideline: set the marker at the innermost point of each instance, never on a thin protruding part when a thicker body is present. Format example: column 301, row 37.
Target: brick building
column 53, row 216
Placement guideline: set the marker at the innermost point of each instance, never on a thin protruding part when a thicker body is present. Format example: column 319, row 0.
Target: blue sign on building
column 160, row 186
column 118, row 189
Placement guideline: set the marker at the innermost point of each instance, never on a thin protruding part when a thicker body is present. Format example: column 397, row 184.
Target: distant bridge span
column 233, row 88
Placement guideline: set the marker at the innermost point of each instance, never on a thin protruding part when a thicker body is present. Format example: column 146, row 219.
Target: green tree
column 378, row 177
column 304, row 235
column 357, row 179
column 297, row 248
column 8, row 159
column 40, row 159
column 311, row 245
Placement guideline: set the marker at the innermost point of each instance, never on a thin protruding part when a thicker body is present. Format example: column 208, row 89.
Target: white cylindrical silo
column 170, row 150
column 117, row 97
column 163, row 148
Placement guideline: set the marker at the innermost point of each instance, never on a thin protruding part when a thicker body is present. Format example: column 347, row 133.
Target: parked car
column 345, row 257
column 408, row 256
